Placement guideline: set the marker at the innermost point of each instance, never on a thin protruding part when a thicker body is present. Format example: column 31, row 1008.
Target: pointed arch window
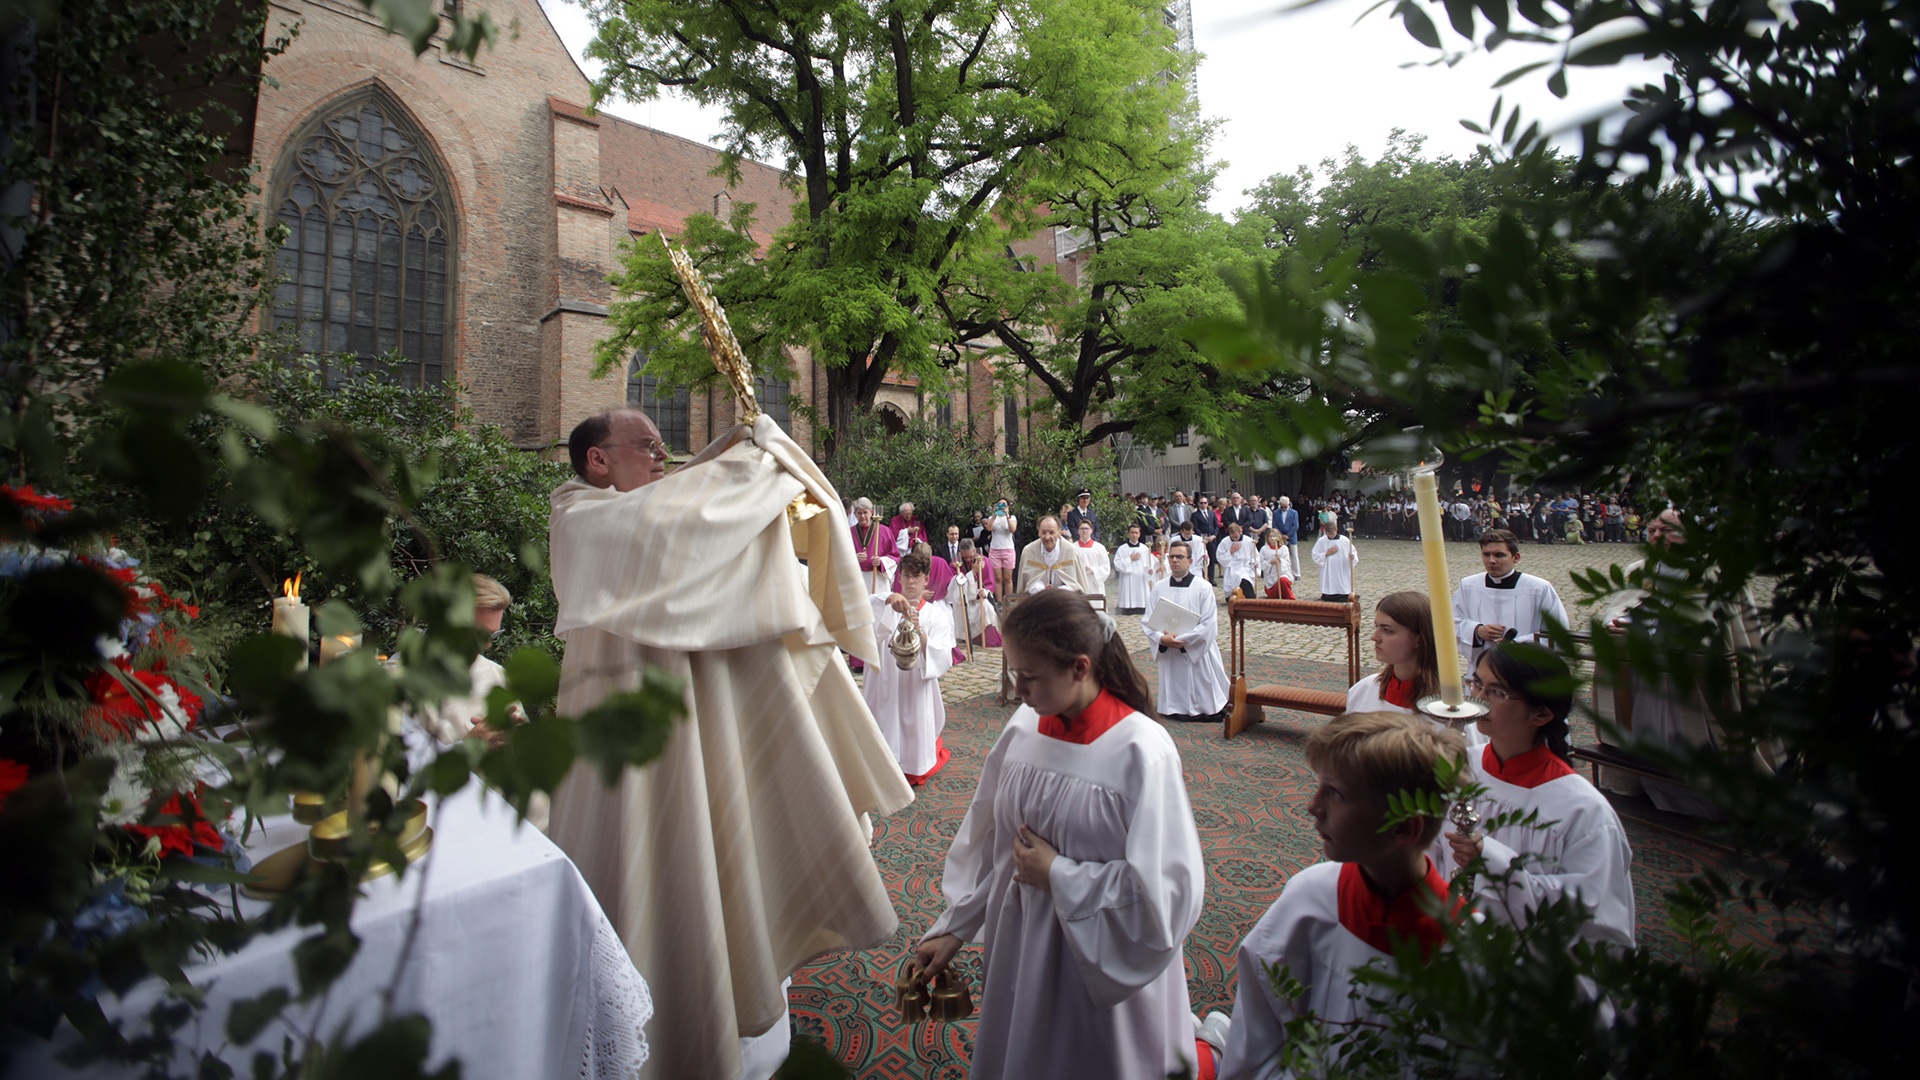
column 368, row 262
column 772, row 395
column 672, row 411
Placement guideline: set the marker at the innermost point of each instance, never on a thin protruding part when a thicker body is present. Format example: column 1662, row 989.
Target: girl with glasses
column 1575, row 849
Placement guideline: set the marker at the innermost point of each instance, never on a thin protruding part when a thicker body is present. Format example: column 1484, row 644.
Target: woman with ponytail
column 1575, row 848
column 1078, row 865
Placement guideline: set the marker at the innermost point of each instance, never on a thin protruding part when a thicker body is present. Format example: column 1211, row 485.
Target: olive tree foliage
column 919, row 133
column 134, row 271
column 1749, row 357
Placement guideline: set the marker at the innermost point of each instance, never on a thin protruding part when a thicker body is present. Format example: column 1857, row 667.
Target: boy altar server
column 906, row 702
column 1503, row 603
column 1050, row 562
column 1096, row 564
column 1196, row 544
column 1343, row 914
column 1133, row 569
column 1193, row 680
column 1336, row 558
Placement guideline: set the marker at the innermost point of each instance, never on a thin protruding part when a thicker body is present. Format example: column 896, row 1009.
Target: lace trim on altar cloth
column 616, row 1043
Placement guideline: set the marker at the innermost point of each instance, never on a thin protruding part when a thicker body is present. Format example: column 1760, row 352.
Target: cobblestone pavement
column 1385, row 566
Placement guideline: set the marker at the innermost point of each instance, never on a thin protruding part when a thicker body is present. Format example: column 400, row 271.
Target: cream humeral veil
column 738, row 855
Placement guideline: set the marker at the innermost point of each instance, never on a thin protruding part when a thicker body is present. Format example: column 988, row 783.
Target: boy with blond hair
column 1376, row 888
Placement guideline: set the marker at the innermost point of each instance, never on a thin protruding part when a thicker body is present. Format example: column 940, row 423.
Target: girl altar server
column 1403, row 643
column 906, row 703
column 1078, row 865
column 1581, row 850
column 1276, row 567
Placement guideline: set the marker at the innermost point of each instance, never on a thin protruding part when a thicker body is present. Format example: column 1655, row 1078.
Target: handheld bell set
column 948, row 1000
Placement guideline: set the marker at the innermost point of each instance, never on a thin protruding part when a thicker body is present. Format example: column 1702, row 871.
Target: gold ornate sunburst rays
column 721, row 344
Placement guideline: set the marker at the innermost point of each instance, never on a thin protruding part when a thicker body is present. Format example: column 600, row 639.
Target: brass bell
column 952, row 1000
column 910, row 994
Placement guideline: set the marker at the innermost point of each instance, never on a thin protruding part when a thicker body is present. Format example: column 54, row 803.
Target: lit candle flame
column 290, row 587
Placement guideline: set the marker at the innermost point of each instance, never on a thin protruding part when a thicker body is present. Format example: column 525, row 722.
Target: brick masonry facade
column 544, row 196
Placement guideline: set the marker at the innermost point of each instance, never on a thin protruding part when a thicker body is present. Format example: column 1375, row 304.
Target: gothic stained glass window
column 672, row 413
column 367, row 266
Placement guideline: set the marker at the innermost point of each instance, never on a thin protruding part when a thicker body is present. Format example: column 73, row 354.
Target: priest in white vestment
column 906, row 702
column 1503, row 603
column 1193, row 679
column 738, row 855
column 1050, row 562
column 1133, row 565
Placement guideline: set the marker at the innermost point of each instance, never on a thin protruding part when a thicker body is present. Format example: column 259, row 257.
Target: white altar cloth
column 515, row 965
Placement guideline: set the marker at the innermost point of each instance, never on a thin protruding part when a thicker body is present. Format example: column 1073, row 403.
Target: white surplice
column 1336, row 558
column 1275, row 563
column 1132, row 571
column 1085, row 980
column 738, row 855
column 906, row 703
column 1527, row 607
column 1197, row 549
column 1238, row 562
column 1095, row 565
column 1192, row 682
column 972, row 614
column 1583, row 852
column 1057, row 569
column 1304, row 933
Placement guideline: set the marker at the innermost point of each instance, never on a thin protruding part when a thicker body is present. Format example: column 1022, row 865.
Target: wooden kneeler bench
column 1246, row 705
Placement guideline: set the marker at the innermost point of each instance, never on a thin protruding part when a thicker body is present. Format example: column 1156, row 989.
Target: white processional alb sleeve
column 1283, row 938
column 936, row 629
column 1126, row 920
column 978, row 865
column 1594, row 867
column 1466, row 613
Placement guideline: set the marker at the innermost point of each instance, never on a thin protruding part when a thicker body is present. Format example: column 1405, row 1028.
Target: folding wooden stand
column 1246, row 704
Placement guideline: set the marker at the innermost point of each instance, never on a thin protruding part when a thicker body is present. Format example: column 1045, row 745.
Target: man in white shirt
column 1503, row 603
column 1050, row 562
column 1335, row 556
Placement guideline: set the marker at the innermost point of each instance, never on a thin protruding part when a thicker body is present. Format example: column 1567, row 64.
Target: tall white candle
column 293, row 618
column 1426, row 495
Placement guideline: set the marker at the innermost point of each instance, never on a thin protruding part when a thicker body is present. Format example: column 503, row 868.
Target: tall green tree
column 1103, row 333
column 1747, row 355
column 918, row 133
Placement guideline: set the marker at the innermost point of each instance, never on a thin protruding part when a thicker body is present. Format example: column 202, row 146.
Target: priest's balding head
column 619, row 448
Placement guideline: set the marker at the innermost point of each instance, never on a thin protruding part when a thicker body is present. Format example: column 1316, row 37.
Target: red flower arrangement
column 187, row 828
column 27, row 499
column 13, row 777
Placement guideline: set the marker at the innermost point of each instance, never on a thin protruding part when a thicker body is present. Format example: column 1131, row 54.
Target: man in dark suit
column 1082, row 511
column 1206, row 525
column 949, row 548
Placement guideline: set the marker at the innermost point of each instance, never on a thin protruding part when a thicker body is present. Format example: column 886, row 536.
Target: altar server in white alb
column 1335, row 556
column 969, row 596
column 1051, row 562
column 1193, row 680
column 1403, row 643
column 1239, row 561
column 1503, row 603
column 1078, row 866
column 1096, row 564
column 1196, row 544
column 906, row 701
column 1336, row 917
column 1276, row 567
column 1133, row 565
column 1580, row 849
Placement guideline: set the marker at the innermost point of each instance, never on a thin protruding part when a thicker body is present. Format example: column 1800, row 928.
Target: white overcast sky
column 1289, row 90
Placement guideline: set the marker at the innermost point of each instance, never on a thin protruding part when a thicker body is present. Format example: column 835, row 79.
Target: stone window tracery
column 368, row 262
